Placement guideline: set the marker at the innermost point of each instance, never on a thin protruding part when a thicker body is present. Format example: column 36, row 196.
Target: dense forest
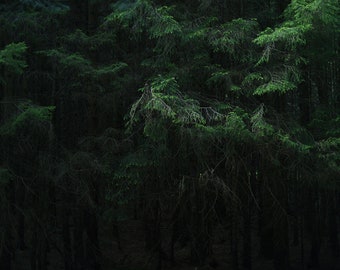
column 169, row 134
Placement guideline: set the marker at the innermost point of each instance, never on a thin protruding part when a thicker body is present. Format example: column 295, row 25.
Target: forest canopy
column 148, row 134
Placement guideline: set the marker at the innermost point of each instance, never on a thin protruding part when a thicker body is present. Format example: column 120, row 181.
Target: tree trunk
column 333, row 226
column 152, row 223
column 313, row 227
column 265, row 223
column 247, row 241
column 305, row 96
column 321, row 84
column 280, row 220
column 92, row 243
column 20, row 199
column 6, row 252
column 68, row 265
column 234, row 238
column 78, row 239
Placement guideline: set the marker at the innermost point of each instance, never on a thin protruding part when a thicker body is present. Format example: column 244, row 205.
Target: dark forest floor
column 132, row 255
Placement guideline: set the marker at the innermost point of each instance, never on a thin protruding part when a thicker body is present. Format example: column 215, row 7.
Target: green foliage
column 236, row 129
column 164, row 97
column 290, row 143
column 259, row 126
column 83, row 43
column 28, row 113
column 233, row 36
column 74, row 62
column 11, row 57
column 306, row 11
column 325, row 124
column 164, row 23
column 303, row 16
column 83, row 68
column 219, row 77
column 280, row 85
column 286, row 44
column 110, row 69
column 289, row 34
column 286, row 76
column 329, row 154
column 142, row 15
column 252, row 78
column 166, row 85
